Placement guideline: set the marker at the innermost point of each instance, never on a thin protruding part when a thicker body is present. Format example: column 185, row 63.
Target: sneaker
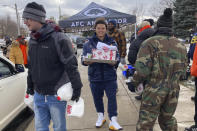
column 113, row 125
column 191, row 128
column 100, row 121
column 139, row 98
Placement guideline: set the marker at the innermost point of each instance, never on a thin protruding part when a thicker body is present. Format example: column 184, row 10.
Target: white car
column 12, row 91
column 2, row 42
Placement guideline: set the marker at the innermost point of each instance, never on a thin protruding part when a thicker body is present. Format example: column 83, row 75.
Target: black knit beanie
column 113, row 22
column 165, row 20
column 35, row 12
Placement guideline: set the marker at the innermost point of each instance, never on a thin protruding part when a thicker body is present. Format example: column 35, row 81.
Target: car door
column 12, row 90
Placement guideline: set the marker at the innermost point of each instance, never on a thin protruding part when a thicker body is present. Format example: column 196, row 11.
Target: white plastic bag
column 29, row 101
column 101, row 46
column 139, row 89
column 65, row 92
column 75, row 108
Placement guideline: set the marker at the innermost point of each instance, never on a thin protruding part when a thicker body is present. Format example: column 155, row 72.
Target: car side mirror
column 19, row 68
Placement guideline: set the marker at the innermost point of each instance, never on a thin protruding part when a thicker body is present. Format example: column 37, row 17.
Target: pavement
column 128, row 108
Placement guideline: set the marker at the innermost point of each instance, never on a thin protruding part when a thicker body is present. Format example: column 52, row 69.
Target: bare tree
column 138, row 12
column 64, row 16
column 8, row 27
column 157, row 8
column 2, row 27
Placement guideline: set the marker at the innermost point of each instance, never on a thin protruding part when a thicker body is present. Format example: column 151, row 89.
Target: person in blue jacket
column 192, row 46
column 102, row 77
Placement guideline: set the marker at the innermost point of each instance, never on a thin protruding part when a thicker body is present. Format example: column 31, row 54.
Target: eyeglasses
column 25, row 19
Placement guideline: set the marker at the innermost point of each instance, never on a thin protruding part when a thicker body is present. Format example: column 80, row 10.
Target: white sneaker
column 100, row 121
column 113, row 125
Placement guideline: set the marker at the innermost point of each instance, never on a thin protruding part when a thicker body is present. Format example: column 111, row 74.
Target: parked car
column 2, row 42
column 12, row 90
column 74, row 46
column 80, row 41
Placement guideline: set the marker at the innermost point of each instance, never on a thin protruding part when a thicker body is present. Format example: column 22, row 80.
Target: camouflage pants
column 158, row 102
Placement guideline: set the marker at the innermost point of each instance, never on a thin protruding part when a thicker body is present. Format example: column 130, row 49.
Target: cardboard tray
column 100, row 61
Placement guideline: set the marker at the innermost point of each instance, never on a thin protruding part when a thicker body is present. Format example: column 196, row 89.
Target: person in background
column 151, row 21
column 145, row 32
column 51, row 64
column 190, row 56
column 5, row 48
column 132, row 38
column 102, row 77
column 18, row 51
column 8, row 41
column 161, row 61
column 120, row 39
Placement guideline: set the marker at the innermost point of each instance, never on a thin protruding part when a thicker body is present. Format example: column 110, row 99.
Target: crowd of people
column 159, row 58
column 16, row 50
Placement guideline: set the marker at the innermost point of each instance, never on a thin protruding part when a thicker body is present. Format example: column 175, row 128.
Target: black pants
column 195, row 101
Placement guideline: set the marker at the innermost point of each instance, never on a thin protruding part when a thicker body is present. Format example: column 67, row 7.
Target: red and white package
column 75, row 108
column 103, row 54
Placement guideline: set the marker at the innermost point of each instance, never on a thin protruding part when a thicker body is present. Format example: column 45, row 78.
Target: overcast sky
column 71, row 7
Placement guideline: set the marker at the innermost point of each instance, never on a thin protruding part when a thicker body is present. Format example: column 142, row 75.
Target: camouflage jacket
column 120, row 39
column 161, row 62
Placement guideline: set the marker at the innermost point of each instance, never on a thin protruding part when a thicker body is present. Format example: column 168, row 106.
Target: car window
column 4, row 70
column 80, row 40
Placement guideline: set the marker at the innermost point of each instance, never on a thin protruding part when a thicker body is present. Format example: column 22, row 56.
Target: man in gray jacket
column 52, row 63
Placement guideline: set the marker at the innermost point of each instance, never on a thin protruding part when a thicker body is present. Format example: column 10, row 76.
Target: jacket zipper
column 39, row 75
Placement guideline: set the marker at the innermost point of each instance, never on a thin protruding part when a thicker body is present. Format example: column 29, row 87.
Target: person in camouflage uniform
column 161, row 61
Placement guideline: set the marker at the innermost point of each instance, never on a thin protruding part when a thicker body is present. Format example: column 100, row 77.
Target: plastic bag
column 127, row 70
column 65, row 92
column 75, row 108
column 29, row 101
column 139, row 89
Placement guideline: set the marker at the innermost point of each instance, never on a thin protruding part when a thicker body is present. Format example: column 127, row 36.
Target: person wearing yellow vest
column 18, row 51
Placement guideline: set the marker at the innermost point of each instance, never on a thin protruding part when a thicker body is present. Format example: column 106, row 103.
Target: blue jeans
column 110, row 88
column 46, row 108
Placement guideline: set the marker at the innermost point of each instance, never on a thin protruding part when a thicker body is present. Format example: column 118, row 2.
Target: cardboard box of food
column 100, row 61
column 102, row 56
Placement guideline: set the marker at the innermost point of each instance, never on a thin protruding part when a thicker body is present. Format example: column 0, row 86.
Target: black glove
column 76, row 94
column 26, row 65
column 131, row 86
column 19, row 68
column 30, row 91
